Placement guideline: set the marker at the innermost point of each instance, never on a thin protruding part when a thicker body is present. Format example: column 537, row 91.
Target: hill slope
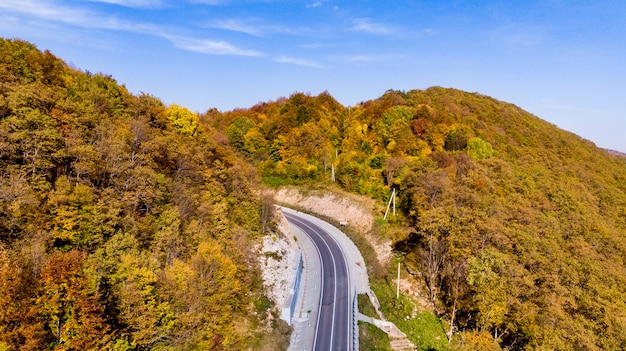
column 123, row 224
column 518, row 227
column 126, row 224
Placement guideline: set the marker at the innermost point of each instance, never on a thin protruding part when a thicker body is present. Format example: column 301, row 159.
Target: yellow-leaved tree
column 183, row 120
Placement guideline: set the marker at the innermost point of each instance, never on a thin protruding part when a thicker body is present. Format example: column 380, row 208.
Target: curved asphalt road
column 333, row 329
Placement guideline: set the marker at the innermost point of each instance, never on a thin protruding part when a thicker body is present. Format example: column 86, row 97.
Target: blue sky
column 564, row 61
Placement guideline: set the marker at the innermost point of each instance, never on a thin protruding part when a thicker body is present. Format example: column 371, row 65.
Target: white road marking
column 332, row 255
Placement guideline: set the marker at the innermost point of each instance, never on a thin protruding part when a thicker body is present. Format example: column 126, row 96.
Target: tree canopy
column 126, row 224
column 518, row 228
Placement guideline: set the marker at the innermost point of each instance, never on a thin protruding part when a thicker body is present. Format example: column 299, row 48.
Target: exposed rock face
column 356, row 210
column 279, row 259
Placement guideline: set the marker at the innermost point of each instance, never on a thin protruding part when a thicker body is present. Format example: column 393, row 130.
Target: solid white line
column 345, row 259
column 332, row 256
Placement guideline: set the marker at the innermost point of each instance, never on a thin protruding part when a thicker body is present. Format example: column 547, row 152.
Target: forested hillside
column 518, row 227
column 124, row 224
column 129, row 225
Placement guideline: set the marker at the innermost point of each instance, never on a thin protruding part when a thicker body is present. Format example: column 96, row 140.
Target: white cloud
column 314, row 46
column 298, row 61
column 134, row 3
column 238, row 26
column 365, row 25
column 78, row 17
column 211, row 47
column 251, row 28
column 45, row 10
column 208, row 2
column 359, row 59
column 86, row 19
column 314, row 4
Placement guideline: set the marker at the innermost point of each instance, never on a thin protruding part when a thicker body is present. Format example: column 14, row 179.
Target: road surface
column 333, row 327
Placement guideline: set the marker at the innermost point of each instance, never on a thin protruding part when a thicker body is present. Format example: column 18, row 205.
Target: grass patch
column 371, row 338
column 273, row 255
column 262, row 306
column 365, row 306
column 423, row 328
column 274, row 182
column 374, row 269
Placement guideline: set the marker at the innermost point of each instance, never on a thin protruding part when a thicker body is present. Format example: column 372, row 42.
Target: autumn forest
column 126, row 224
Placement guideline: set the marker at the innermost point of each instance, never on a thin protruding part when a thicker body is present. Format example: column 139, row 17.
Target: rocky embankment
column 279, row 259
column 356, row 210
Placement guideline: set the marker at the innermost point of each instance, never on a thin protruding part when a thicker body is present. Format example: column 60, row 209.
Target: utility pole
column 392, row 200
column 398, row 288
column 393, row 196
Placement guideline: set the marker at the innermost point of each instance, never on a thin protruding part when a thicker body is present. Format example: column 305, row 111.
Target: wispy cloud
column 367, row 26
column 314, row 4
column 239, row 26
column 78, row 17
column 251, row 27
column 298, row 61
column 315, row 46
column 36, row 28
column 134, row 3
column 87, row 19
column 360, row 59
column 211, row 47
column 208, row 2
column 45, row 10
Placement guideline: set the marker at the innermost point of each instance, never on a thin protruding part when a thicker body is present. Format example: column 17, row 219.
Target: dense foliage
column 518, row 227
column 124, row 224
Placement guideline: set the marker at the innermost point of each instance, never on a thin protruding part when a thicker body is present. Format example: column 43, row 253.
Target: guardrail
column 296, row 285
column 289, row 306
column 355, row 323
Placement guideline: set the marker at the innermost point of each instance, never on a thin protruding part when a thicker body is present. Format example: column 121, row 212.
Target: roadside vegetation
column 370, row 337
column 422, row 326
